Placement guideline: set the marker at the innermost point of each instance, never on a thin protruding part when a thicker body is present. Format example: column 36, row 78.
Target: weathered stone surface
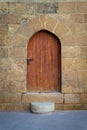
column 83, row 52
column 12, row 28
column 49, row 22
column 81, row 29
column 3, row 52
column 3, row 8
column 11, row 107
column 59, row 106
column 81, row 64
column 10, row 98
column 14, row 74
column 2, row 21
column 70, row 18
column 45, row 8
column 69, row 64
column 35, row 24
column 72, row 106
column 26, row 107
column 72, row 87
column 13, row 18
column 1, row 40
column 82, row 79
column 81, row 40
column 67, row 7
column 81, row 7
column 15, row 7
column 43, row 97
column 84, row 98
column 72, row 98
column 3, row 29
column 31, row 8
column 69, row 51
column 3, row 74
column 9, row 40
column 21, row 87
column 68, row 40
column 84, row 106
column 19, row 52
column 85, row 18
column 61, row 30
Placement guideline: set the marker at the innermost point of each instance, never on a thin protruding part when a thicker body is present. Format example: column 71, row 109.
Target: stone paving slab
column 58, row 120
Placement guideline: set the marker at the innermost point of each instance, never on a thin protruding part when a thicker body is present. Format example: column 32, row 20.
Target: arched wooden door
column 44, row 63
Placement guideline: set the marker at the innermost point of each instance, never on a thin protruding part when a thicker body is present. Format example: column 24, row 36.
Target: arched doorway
column 44, row 63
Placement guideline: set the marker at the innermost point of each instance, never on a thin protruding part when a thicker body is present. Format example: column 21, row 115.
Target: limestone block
column 2, row 21
column 3, row 29
column 45, row 8
column 68, row 40
column 83, row 52
column 9, row 40
column 85, row 18
column 3, row 8
column 14, row 74
column 84, row 98
column 31, row 8
column 81, row 7
column 20, row 87
column 68, row 64
column 76, row 18
column 81, row 40
column 84, row 106
column 61, row 30
column 81, row 29
column 19, row 52
column 59, row 106
column 39, row 107
column 81, row 64
column 69, row 51
column 3, row 52
column 72, row 98
column 3, row 74
column 10, row 98
column 82, row 75
column 1, row 40
column 11, row 107
column 15, row 7
column 72, row 86
column 13, row 18
column 42, row 97
column 72, row 107
column 71, row 18
column 12, row 28
column 67, row 7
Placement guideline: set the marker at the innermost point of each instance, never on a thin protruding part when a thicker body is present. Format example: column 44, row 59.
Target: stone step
column 42, row 107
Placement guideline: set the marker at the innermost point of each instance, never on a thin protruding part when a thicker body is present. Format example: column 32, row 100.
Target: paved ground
column 59, row 120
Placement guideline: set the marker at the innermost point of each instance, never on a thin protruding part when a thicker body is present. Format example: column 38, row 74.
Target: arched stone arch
column 43, row 22
column 49, row 23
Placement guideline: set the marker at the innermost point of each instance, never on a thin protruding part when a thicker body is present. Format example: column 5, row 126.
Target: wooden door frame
column 59, row 45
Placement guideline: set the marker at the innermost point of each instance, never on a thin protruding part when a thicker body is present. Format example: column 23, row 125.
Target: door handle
column 29, row 60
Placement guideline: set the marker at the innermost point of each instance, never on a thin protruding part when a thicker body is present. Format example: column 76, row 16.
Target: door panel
column 44, row 71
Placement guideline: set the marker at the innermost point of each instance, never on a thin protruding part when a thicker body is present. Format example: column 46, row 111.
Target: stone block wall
column 69, row 24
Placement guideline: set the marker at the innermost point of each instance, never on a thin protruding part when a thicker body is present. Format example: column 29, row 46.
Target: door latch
column 29, row 60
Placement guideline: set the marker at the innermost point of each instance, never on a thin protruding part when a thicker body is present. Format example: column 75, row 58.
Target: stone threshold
column 29, row 97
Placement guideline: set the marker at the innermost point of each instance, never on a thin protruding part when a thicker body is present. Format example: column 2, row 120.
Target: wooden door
column 44, row 64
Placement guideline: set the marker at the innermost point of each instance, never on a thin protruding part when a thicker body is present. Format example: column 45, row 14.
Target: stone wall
column 18, row 22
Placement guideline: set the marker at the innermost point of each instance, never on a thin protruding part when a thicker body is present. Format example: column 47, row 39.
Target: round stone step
column 42, row 107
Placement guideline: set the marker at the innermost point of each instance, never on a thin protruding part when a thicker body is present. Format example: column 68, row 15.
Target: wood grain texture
column 44, row 72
